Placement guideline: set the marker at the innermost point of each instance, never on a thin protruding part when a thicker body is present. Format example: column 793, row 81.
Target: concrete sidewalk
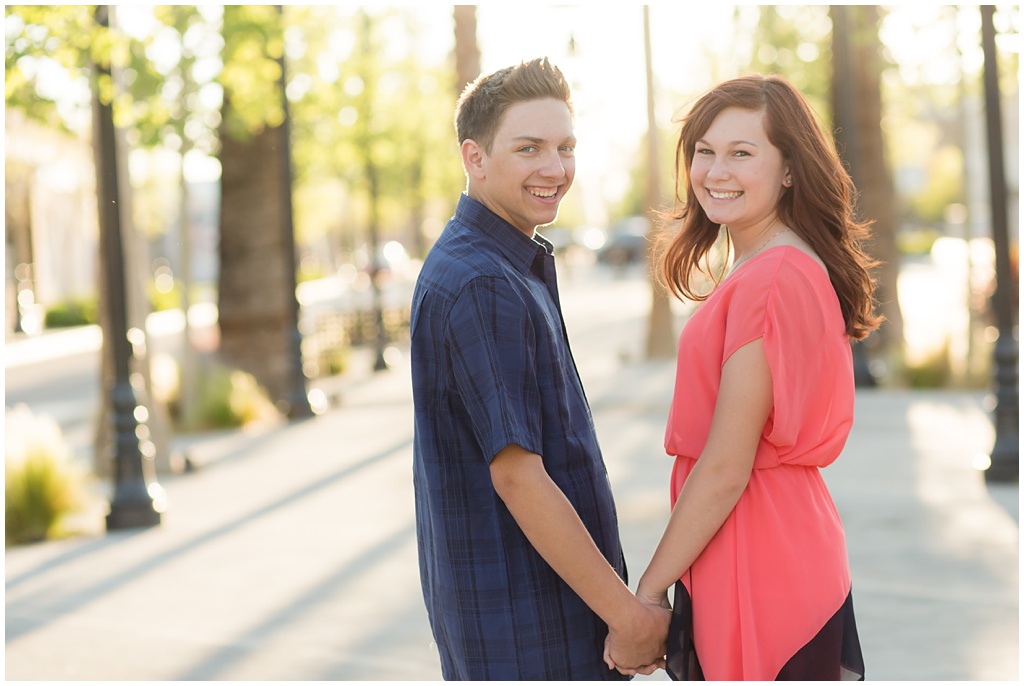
column 290, row 554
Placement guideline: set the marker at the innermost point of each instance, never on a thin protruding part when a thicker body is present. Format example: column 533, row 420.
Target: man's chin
column 547, row 221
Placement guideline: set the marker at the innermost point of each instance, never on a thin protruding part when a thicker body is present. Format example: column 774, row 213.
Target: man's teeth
column 544, row 193
column 725, row 196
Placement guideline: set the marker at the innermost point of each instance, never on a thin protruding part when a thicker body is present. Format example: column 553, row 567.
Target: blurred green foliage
column 364, row 114
column 41, row 485
column 917, row 241
column 229, row 398
column 353, row 97
column 73, row 312
column 931, row 372
column 253, row 44
column 161, row 299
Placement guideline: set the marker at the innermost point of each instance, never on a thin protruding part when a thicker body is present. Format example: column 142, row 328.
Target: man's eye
column 528, row 148
column 567, row 148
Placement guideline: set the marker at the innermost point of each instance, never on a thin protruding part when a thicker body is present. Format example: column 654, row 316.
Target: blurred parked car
column 626, row 244
column 560, row 237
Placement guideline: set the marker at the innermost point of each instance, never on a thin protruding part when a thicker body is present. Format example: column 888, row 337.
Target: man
column 520, row 560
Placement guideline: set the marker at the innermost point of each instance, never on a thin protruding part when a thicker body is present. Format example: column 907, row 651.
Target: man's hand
column 637, row 645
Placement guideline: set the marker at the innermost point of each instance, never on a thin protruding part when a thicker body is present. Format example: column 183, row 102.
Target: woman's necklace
column 759, row 249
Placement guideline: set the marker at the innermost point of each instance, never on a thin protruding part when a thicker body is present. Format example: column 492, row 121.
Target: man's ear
column 473, row 158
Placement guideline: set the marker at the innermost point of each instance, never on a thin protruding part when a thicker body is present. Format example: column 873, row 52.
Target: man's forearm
column 555, row 530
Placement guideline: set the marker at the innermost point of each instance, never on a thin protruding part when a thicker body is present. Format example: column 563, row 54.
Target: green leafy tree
column 372, row 129
column 47, row 47
column 51, row 52
column 794, row 41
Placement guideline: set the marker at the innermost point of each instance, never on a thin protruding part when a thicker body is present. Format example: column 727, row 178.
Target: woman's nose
column 718, row 169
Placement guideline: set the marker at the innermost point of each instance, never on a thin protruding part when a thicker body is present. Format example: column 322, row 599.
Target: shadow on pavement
column 52, row 605
column 243, row 645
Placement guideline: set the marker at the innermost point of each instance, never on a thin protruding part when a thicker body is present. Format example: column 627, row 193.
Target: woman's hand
column 653, row 598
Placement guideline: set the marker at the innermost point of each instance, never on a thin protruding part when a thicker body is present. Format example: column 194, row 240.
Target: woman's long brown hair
column 818, row 205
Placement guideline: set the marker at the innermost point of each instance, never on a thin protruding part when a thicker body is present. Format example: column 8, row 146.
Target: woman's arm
column 720, row 474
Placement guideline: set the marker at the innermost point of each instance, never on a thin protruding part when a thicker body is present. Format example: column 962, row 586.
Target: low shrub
column 230, row 398
column 42, row 485
column 72, row 312
column 932, row 371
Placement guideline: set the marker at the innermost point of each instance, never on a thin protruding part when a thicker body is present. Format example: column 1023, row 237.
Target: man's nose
column 553, row 166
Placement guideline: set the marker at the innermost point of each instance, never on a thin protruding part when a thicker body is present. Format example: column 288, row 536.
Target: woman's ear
column 473, row 158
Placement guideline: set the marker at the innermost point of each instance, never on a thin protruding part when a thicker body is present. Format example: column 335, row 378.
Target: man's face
column 530, row 167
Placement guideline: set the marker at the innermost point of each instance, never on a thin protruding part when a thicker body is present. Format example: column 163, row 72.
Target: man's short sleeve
column 493, row 350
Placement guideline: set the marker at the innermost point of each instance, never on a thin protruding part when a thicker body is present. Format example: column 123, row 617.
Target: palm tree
column 467, row 52
column 857, row 112
column 660, row 338
column 257, row 305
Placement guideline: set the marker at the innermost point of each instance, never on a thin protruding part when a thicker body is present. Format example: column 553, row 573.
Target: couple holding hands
column 520, row 560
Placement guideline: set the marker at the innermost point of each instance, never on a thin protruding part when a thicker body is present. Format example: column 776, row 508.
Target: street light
column 298, row 400
column 132, row 505
column 1005, row 456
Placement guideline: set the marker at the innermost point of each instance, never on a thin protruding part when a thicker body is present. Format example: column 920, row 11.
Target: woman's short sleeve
column 799, row 320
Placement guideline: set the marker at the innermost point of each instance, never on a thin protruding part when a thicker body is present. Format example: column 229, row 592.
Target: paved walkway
column 290, row 553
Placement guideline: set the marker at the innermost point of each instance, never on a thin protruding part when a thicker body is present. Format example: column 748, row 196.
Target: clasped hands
column 638, row 646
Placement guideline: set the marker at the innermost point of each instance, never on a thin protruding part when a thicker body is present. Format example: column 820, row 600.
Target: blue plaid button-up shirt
column 491, row 366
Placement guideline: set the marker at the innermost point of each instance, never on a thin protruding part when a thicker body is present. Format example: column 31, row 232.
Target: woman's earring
column 788, row 181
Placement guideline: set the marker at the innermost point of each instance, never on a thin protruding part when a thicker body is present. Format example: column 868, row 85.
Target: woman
column 764, row 394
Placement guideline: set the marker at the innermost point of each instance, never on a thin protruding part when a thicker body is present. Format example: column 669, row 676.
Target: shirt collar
column 516, row 247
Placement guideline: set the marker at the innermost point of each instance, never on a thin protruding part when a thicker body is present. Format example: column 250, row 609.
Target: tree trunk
column 417, row 206
column 661, row 343
column 18, row 235
column 467, row 52
column 258, row 309
column 857, row 111
column 256, row 286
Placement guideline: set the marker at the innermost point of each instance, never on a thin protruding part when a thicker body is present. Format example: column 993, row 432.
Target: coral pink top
column 777, row 570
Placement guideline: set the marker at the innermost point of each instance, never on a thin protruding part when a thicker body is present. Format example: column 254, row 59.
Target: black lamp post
column 131, row 505
column 371, row 170
column 1005, row 456
column 380, row 339
column 298, row 400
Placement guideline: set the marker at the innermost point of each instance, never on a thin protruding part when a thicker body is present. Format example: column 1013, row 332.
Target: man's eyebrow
column 535, row 139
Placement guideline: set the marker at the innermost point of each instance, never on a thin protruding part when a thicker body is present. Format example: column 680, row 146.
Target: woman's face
column 736, row 173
